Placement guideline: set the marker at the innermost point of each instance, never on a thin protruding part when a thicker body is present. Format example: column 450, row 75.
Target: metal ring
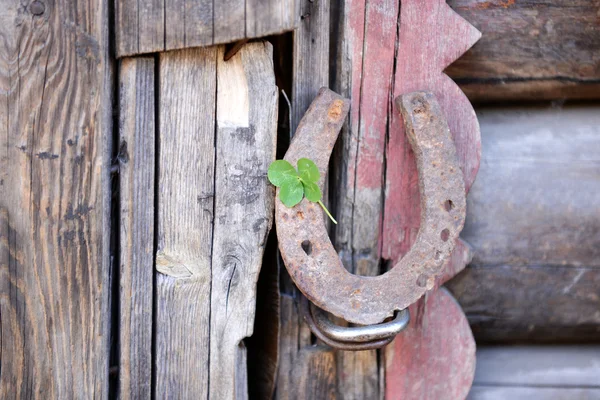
column 350, row 346
column 360, row 334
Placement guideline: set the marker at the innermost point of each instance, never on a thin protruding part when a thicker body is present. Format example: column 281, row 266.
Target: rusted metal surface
column 306, row 249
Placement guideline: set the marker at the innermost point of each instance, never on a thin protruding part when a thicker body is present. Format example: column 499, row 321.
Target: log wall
column 533, row 219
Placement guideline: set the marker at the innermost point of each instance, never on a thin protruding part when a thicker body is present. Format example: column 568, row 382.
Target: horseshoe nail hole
column 438, row 255
column 422, row 280
column 307, row 247
column 448, row 205
column 445, row 234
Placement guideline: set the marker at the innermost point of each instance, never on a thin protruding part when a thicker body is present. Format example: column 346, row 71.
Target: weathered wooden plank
column 151, row 26
column 317, row 376
column 533, row 220
column 537, row 198
column 528, row 393
column 229, row 20
column 530, row 50
column 136, row 176
column 556, row 366
column 364, row 68
column 246, row 142
column 434, row 357
column 186, row 165
column 310, row 73
column 311, row 56
column 430, row 37
column 268, row 17
column 55, row 132
column 294, row 336
column 530, row 303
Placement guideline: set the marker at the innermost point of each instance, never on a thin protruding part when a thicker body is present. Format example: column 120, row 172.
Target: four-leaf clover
column 294, row 185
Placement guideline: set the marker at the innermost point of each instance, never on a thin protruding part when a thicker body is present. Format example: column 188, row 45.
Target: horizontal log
column 530, row 50
column 534, row 224
column 536, row 372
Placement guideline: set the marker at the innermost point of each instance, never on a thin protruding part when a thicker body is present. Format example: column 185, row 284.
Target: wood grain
column 137, row 180
column 537, row 372
column 151, row 26
column 434, row 357
column 430, row 37
column 537, row 197
column 55, row 136
column 507, row 303
column 533, row 221
column 310, row 73
column 364, row 57
column 246, row 142
column 311, row 56
column 528, row 393
column 294, row 336
column 186, row 165
column 558, row 366
column 530, row 50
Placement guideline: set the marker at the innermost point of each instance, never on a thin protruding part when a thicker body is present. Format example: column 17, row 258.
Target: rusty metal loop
column 309, row 255
column 348, row 346
column 360, row 334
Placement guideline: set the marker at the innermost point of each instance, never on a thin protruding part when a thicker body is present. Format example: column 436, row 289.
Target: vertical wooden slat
column 229, row 20
column 246, row 138
column 186, row 157
column 267, row 17
column 199, row 24
column 173, row 23
column 311, row 56
column 150, row 35
column 137, row 160
column 365, row 60
column 310, row 73
column 55, row 132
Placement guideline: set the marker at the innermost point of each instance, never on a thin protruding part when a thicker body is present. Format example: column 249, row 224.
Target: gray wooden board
column 151, row 26
column 186, row 165
column 506, row 303
column 532, row 393
column 55, row 141
column 537, row 372
column 533, row 219
column 217, row 137
column 536, row 199
column 554, row 366
column 136, row 176
column 246, row 139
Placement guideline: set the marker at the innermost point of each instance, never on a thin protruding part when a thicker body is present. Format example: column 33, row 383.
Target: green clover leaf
column 294, row 185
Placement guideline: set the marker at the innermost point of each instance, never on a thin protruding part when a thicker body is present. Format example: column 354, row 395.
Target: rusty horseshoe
column 309, row 255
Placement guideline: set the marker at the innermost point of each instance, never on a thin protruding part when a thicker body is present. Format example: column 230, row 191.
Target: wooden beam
column 550, row 303
column 554, row 366
column 533, row 218
column 246, row 142
column 186, row 167
column 55, row 141
column 530, row 50
column 137, row 181
column 151, row 26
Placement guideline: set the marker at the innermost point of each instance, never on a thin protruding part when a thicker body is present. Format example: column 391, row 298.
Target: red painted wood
column 431, row 37
column 434, row 357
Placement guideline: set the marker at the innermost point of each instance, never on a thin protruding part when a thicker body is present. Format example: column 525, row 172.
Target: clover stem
column 327, row 212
